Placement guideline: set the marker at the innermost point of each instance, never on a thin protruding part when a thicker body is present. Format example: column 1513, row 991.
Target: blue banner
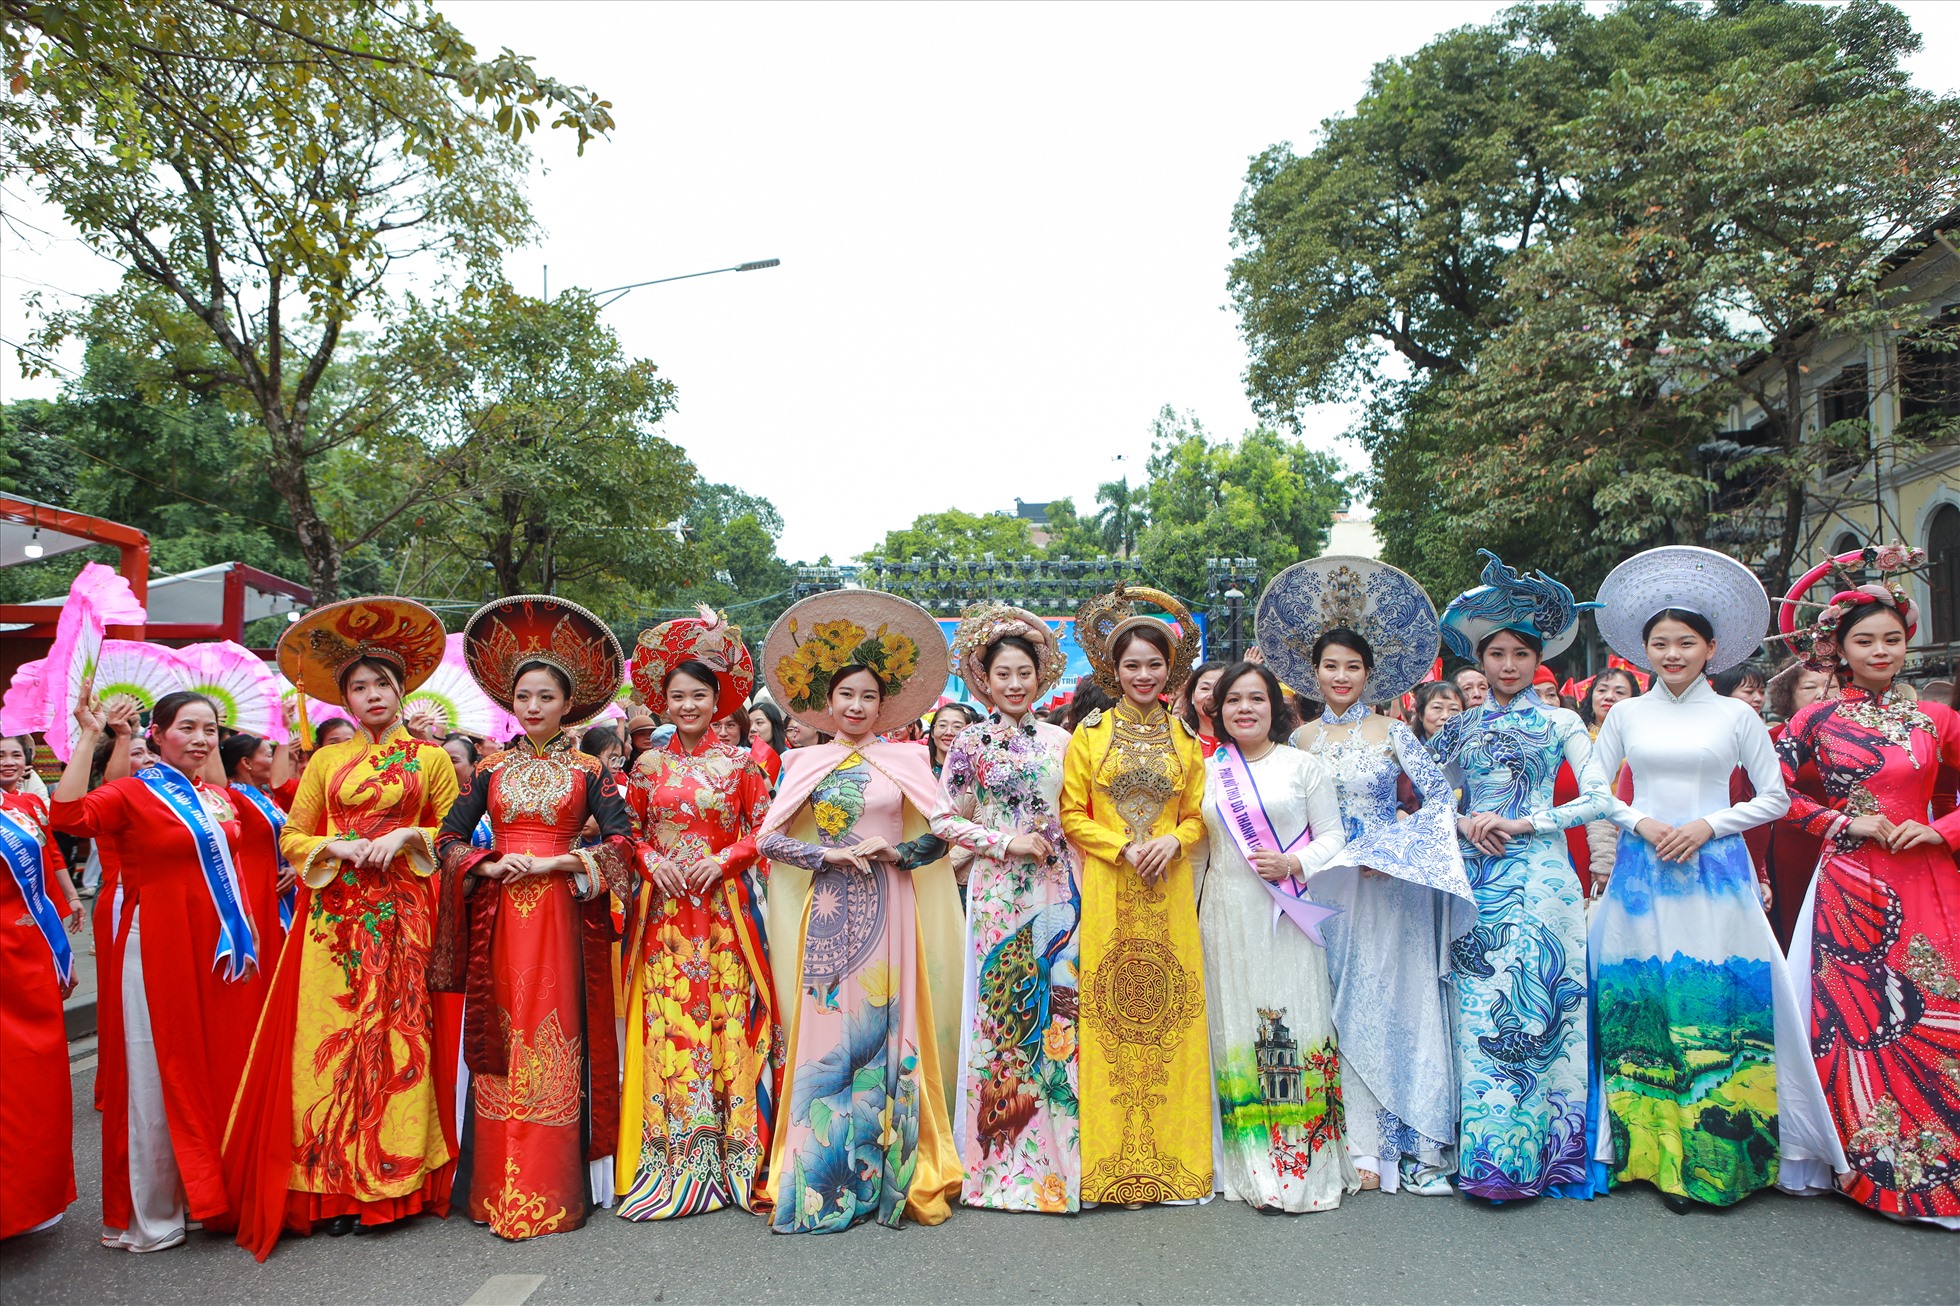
column 235, row 944
column 288, row 896
column 20, row 848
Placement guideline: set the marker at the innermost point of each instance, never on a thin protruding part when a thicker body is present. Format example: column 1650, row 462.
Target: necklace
column 1270, row 745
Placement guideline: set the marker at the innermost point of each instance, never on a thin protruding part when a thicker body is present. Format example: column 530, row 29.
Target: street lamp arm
column 620, row 292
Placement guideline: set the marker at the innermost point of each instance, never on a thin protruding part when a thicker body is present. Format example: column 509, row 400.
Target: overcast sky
column 1003, row 228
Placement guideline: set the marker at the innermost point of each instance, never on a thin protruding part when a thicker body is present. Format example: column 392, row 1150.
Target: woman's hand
column 875, row 849
column 1030, row 848
column 845, row 857
column 120, row 718
column 1684, row 841
column 1913, row 834
column 704, row 875
column 346, row 850
column 1153, row 859
column 377, row 854
column 1484, row 831
column 1274, row 867
column 1875, row 826
column 288, row 876
column 424, row 721
column 91, row 718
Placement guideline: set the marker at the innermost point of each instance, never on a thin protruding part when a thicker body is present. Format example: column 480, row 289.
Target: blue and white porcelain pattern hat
column 1384, row 606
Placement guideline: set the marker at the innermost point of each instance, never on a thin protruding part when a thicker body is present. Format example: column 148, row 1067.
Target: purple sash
column 1252, row 831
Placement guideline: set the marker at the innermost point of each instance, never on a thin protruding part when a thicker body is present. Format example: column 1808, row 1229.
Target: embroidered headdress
column 1100, row 621
column 505, row 635
column 1690, row 579
column 824, row 635
column 1384, row 606
column 1817, row 642
column 316, row 651
column 707, row 639
column 984, row 624
column 1510, row 600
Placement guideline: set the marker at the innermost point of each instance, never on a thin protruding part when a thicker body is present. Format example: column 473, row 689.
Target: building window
column 1845, row 398
column 1929, row 380
column 1943, row 573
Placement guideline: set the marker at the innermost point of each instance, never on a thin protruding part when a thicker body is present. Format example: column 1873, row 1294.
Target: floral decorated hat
column 504, row 635
column 1817, row 643
column 820, row 636
column 982, row 624
column 1386, row 607
column 716, row 645
column 1509, row 599
column 1691, row 579
column 1100, row 621
column 317, row 649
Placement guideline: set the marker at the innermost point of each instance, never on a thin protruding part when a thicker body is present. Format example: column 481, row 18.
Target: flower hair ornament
column 984, row 624
column 1817, row 643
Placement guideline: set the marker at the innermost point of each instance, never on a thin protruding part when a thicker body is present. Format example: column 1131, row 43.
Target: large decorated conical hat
column 1100, row 620
column 1692, row 579
column 504, row 635
column 820, row 636
column 318, row 648
column 1384, row 606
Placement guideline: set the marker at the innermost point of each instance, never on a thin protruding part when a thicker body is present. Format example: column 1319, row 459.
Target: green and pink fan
column 455, row 695
column 98, row 599
column 245, row 689
column 136, row 669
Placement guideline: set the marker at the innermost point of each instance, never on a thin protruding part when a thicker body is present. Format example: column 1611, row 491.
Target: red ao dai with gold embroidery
column 533, row 956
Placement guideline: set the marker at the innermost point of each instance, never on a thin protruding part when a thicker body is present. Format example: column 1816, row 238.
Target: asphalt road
column 1622, row 1250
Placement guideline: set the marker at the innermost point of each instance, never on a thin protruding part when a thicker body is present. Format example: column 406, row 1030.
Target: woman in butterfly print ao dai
column 1878, row 944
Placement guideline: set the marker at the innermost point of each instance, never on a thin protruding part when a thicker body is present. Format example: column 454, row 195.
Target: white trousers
column 156, row 1191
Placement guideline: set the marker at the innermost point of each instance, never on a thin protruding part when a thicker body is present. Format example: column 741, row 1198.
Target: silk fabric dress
column 534, row 958
column 1389, row 952
column 1877, row 946
column 173, row 1031
column 1131, row 776
column 701, row 1033
column 347, row 1108
column 1521, row 1019
column 866, row 962
column 1270, row 1006
column 1016, row 1115
column 1709, row 1092
column 37, row 1117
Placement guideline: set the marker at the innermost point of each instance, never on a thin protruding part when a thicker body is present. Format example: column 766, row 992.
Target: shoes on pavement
column 1678, row 1205
column 340, row 1226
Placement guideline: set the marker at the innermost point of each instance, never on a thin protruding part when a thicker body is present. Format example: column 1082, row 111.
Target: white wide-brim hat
column 1691, row 579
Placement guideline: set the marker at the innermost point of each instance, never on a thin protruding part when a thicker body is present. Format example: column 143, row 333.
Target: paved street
column 1622, row 1250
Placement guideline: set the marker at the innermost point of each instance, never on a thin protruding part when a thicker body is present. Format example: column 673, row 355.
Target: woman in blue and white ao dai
column 1521, row 1020
column 1404, row 897
column 1710, row 1092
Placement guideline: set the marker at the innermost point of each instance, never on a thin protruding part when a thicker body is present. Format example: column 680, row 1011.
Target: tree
column 956, row 535
column 1265, row 497
column 1121, row 516
column 1375, row 265
column 731, row 538
column 552, row 479
column 259, row 168
column 1069, row 536
column 1728, row 230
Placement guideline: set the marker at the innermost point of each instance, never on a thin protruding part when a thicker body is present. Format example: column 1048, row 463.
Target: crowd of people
column 1313, row 923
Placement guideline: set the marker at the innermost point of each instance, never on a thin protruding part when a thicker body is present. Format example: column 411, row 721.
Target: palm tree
column 1121, row 516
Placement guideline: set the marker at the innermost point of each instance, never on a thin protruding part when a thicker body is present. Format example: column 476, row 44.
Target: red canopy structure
column 210, row 603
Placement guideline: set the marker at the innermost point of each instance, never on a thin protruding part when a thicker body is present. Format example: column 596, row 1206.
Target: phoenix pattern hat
column 315, row 651
column 502, row 636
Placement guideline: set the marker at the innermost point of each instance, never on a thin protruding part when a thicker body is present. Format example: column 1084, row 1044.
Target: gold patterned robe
column 1145, row 1068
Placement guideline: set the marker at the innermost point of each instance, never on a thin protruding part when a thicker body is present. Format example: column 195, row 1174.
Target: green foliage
column 1265, row 497
column 539, row 431
column 1070, row 535
column 956, row 535
column 259, row 168
column 1386, row 261
column 1121, row 516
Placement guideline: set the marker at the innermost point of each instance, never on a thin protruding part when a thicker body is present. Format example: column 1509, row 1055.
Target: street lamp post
column 620, row 292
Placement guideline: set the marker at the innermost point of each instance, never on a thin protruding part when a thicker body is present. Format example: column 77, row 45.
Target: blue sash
column 235, row 945
column 289, row 895
column 20, row 848
column 483, row 836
